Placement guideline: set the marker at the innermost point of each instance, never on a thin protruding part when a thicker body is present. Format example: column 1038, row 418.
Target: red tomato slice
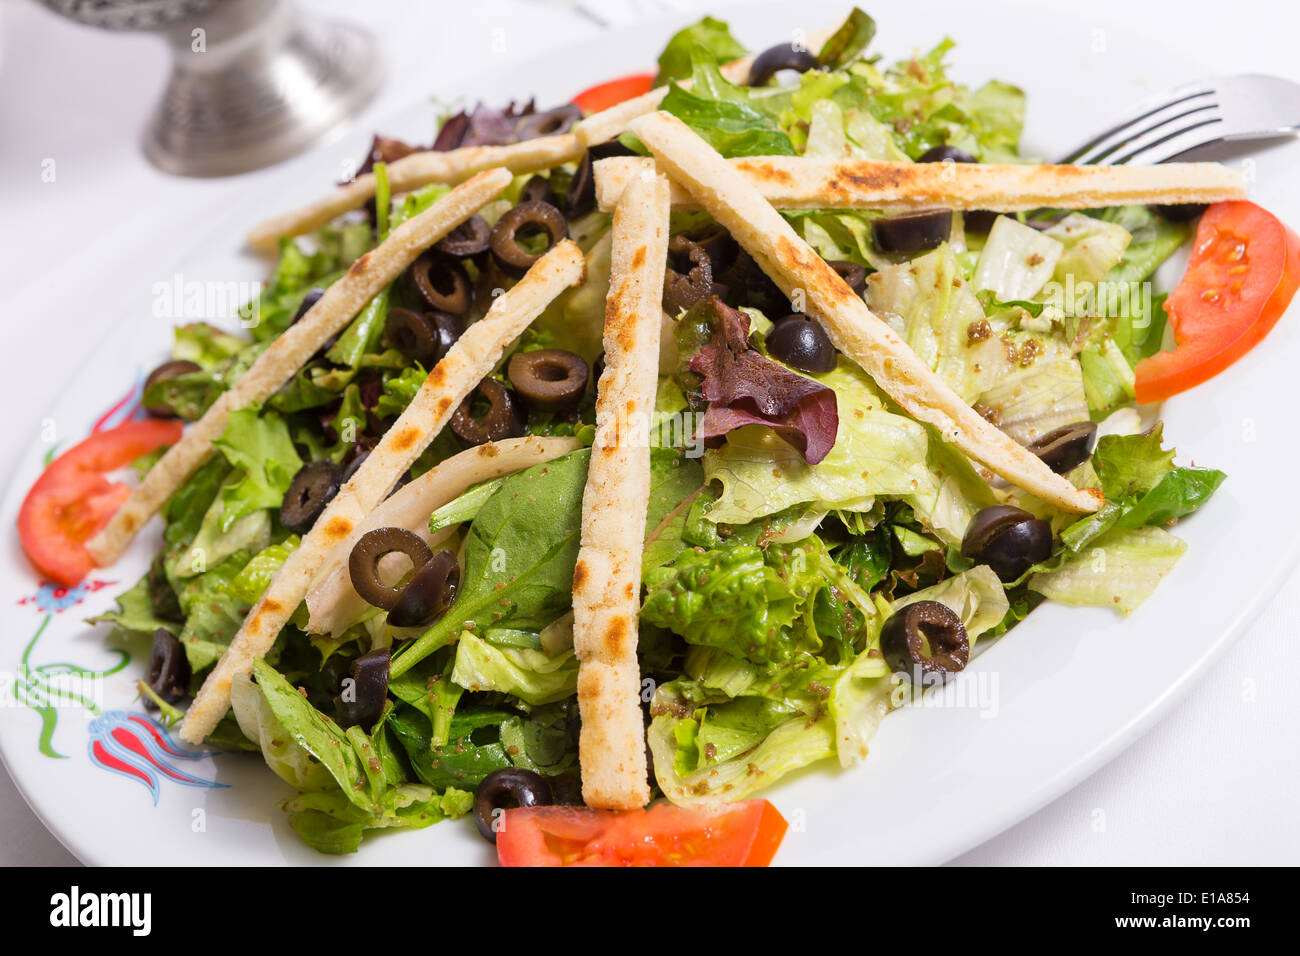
column 1244, row 270
column 72, row 500
column 734, row 834
column 612, row 92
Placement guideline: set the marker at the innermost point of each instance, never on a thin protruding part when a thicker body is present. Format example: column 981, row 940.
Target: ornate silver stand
column 253, row 81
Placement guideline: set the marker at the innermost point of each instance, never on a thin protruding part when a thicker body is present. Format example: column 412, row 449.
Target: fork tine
column 1117, row 136
column 1173, row 143
column 1141, row 110
column 1158, row 127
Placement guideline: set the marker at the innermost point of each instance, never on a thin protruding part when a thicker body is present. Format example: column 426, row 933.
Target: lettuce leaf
column 708, row 35
column 848, row 42
column 1120, row 569
column 690, row 768
column 877, row 452
column 728, row 120
column 930, row 303
column 531, row 675
column 1017, row 260
column 257, row 443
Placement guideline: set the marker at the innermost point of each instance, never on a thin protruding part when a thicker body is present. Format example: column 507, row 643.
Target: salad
column 823, row 538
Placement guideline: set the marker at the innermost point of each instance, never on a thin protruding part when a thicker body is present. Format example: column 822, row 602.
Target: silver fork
column 1224, row 109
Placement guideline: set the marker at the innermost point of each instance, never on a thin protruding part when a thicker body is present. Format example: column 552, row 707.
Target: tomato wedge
column 612, row 92
column 1244, row 270
column 72, row 500
column 734, row 834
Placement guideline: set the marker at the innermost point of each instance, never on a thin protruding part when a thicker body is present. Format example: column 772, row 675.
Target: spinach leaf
column 320, row 737
column 524, row 542
column 463, row 761
column 519, row 558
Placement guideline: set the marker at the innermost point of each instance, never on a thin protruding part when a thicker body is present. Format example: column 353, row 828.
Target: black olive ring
column 363, row 563
column 527, row 217
column 548, row 378
column 681, row 291
column 441, row 283
column 925, row 639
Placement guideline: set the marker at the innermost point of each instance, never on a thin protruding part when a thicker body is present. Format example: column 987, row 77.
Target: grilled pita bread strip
column 611, row 748
column 412, row 172
column 724, row 192
column 451, row 380
column 333, row 603
column 793, row 182
column 288, row 353
column 605, row 125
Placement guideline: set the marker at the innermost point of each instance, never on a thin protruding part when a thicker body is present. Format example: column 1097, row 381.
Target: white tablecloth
column 1214, row 783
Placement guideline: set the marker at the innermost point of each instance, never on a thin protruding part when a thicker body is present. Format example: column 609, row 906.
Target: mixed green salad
column 776, row 553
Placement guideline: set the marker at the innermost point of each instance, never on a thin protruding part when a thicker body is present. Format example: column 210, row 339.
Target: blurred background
column 1213, row 783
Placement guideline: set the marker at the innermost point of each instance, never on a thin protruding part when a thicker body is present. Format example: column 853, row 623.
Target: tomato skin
column 72, row 500
column 1244, row 271
column 612, row 92
column 736, row 834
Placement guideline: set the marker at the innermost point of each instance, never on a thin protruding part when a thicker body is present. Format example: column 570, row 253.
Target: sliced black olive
column 1066, row 447
column 361, row 698
column 470, row 238
column 507, row 789
column 163, row 372
column 853, row 274
column 946, row 154
column 527, row 218
column 581, row 196
column 424, row 337
column 356, row 456
column 683, row 290
column 1008, row 539
column 913, row 232
column 925, row 640
column 783, row 56
column 718, row 244
column 312, row 488
column 363, row 562
column 537, row 189
column 504, row 417
column 441, row 283
column 973, row 220
column 308, row 300
column 169, row 668
column 1181, row 212
column 611, row 147
column 548, row 122
column 428, row 594
column 801, row 343
column 978, row 220
column 754, row 287
column 548, row 378
column 413, row 334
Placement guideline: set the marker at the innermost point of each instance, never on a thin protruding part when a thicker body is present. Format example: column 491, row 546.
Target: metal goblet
column 253, row 81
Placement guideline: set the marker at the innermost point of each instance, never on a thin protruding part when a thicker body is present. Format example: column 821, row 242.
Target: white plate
column 1063, row 694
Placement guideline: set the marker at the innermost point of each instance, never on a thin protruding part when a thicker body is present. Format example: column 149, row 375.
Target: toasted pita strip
column 451, row 380
column 793, row 182
column 605, row 125
column 333, row 603
column 412, row 172
column 611, row 748
column 852, row 327
column 288, row 353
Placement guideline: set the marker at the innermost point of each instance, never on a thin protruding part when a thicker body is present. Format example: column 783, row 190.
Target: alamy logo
column 75, row 908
